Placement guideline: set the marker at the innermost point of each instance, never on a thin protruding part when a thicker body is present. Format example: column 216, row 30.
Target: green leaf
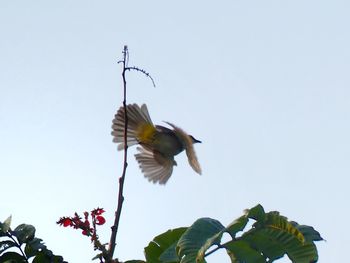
column 33, row 247
column 276, row 221
column 162, row 247
column 241, row 251
column 204, row 232
column 135, row 261
column 236, row 226
column 5, row 226
column 309, row 233
column 46, row 256
column 305, row 253
column 24, row 233
column 257, row 213
column 98, row 256
column 12, row 257
column 57, row 259
column 169, row 255
column 262, row 242
column 5, row 245
column 42, row 258
column 278, row 236
column 271, row 237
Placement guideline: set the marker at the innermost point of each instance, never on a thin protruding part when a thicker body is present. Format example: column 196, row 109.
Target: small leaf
column 5, row 245
column 5, row 226
column 309, row 233
column 24, row 233
column 202, row 231
column 257, row 213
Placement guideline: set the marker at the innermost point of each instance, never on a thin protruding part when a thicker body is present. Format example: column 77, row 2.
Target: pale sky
column 264, row 84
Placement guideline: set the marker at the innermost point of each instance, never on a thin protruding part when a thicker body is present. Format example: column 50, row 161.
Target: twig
column 213, row 250
column 142, row 71
column 18, row 246
column 112, row 243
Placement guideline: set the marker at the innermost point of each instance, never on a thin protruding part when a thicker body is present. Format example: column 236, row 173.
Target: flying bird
column 157, row 144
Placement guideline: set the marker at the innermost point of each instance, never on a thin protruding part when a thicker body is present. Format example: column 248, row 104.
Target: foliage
column 20, row 245
column 271, row 237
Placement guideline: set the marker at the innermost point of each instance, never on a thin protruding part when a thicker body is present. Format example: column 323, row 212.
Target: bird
column 157, row 145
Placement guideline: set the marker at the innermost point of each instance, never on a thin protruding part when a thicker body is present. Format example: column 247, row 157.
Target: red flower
column 100, row 220
column 65, row 221
column 97, row 212
column 83, row 223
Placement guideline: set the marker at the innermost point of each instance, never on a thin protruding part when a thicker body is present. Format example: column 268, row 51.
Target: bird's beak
column 194, row 140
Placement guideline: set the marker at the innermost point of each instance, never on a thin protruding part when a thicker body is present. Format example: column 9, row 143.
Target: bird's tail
column 140, row 125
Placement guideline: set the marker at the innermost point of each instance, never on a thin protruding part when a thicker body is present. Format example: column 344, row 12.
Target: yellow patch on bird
column 145, row 133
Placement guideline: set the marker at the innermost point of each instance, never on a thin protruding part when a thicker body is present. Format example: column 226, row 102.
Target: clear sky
column 264, row 84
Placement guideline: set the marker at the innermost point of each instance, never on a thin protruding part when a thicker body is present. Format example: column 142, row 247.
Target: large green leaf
column 275, row 221
column 285, row 243
column 24, row 233
column 240, row 251
column 277, row 237
column 12, row 257
column 305, row 253
column 33, row 247
column 162, row 247
column 169, row 255
column 237, row 225
column 204, row 232
column 47, row 257
column 263, row 243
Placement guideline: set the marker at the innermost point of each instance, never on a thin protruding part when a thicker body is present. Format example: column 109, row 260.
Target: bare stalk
column 115, row 226
column 112, row 242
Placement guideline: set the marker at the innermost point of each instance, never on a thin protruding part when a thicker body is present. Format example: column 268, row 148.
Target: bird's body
column 159, row 144
column 165, row 141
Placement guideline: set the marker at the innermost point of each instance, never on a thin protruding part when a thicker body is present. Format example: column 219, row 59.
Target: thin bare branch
column 143, row 72
column 112, row 243
column 114, row 228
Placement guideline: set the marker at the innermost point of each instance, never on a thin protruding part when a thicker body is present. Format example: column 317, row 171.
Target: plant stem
column 114, row 228
column 18, row 246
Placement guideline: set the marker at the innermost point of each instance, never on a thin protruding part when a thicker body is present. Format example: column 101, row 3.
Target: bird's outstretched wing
column 155, row 167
